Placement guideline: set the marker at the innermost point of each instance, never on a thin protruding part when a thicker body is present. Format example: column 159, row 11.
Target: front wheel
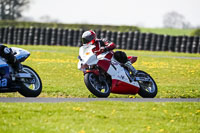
column 30, row 87
column 148, row 87
column 95, row 86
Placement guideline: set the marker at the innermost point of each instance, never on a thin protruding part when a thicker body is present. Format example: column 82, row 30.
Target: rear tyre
column 31, row 87
column 95, row 86
column 148, row 89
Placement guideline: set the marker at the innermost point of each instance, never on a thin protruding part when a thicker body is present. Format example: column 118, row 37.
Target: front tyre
column 95, row 86
column 148, row 89
column 30, row 87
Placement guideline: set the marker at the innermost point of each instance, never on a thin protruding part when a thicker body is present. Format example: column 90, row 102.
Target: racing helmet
column 88, row 37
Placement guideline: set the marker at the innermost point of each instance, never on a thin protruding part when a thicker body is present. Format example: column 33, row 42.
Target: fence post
column 10, row 35
column 159, row 42
column 70, row 37
column 195, row 44
column 31, row 35
column 5, row 35
column 114, row 37
column 98, row 32
column 103, row 34
column 171, row 45
column 119, row 39
column 75, row 38
column 64, row 38
column 124, row 40
column 20, row 36
column 53, row 36
column 130, row 40
column 36, row 36
column 198, row 47
column 141, row 41
column 147, row 41
column 183, row 44
column 47, row 37
column 189, row 44
column 165, row 43
column 153, row 42
column 59, row 36
column 1, row 34
column 42, row 36
column 79, row 37
column 178, row 43
column 108, row 35
column 25, row 36
column 15, row 32
column 135, row 40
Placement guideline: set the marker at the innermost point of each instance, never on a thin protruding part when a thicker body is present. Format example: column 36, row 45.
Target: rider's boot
column 128, row 64
column 11, row 59
column 14, row 62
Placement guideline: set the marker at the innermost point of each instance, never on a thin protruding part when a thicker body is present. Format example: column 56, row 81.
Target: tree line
column 12, row 9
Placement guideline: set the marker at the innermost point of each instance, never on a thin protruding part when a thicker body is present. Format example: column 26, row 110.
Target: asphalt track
column 57, row 100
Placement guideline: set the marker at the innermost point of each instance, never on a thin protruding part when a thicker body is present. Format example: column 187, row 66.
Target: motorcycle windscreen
column 20, row 54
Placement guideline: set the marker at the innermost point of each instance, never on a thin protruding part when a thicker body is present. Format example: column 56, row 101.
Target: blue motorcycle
column 27, row 82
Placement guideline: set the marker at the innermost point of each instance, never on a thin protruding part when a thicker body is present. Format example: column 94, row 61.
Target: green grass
column 100, row 117
column 57, row 66
column 168, row 31
column 175, row 77
column 121, row 28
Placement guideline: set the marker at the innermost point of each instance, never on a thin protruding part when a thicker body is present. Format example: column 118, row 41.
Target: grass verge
column 168, row 31
column 98, row 117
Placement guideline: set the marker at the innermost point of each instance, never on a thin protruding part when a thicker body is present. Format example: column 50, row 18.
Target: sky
column 143, row 13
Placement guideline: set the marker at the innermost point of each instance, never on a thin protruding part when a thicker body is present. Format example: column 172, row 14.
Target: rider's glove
column 7, row 50
column 106, row 49
column 103, row 49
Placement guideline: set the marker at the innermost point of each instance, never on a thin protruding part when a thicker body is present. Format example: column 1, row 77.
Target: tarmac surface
column 57, row 100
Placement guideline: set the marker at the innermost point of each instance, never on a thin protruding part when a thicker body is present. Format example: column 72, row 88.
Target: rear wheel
column 30, row 87
column 148, row 89
column 95, row 86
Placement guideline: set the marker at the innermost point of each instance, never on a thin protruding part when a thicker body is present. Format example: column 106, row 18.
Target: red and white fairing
column 121, row 83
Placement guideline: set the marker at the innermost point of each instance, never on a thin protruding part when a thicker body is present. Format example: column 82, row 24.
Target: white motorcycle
column 103, row 75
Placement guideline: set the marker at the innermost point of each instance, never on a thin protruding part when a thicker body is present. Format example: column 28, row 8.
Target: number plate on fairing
column 3, row 82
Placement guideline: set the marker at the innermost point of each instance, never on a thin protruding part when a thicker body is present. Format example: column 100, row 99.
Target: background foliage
column 167, row 31
column 122, row 28
column 12, row 9
column 196, row 32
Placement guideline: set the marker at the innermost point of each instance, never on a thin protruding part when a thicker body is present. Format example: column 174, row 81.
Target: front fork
column 102, row 76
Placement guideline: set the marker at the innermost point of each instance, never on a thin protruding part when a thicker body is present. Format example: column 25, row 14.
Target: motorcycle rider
column 103, row 45
column 8, row 54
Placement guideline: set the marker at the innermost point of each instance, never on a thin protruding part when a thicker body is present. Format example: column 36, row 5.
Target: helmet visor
column 85, row 41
